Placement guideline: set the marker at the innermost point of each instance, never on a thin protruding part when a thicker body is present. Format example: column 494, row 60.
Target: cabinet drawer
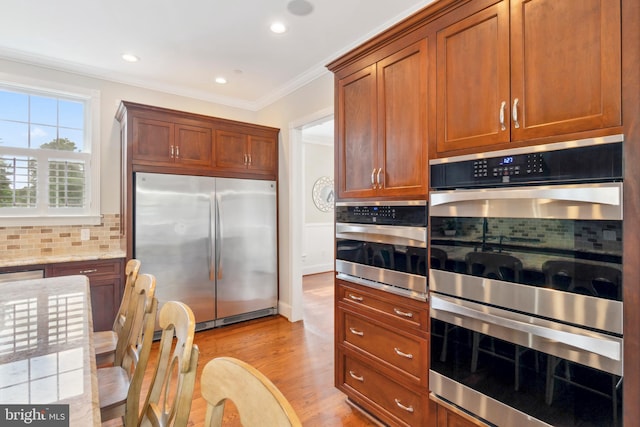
column 404, row 352
column 396, row 400
column 87, row 268
column 405, row 313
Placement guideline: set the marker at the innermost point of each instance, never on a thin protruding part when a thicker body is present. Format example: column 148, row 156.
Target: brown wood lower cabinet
column 381, row 354
column 106, row 278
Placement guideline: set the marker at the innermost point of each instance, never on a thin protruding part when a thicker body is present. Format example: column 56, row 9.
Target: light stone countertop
column 53, row 259
column 46, row 346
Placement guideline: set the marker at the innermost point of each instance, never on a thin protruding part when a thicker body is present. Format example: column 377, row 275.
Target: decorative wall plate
column 323, row 194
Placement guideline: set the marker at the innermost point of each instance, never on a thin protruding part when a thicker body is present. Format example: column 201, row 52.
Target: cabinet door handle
column 91, row 270
column 402, row 354
column 356, row 376
column 402, row 313
column 171, row 152
column 356, row 298
column 378, row 178
column 406, row 408
column 354, row 331
column 502, row 107
column 515, row 113
column 249, row 159
column 373, row 181
column 177, row 151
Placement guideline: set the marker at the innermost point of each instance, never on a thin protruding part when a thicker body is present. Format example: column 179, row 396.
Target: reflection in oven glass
column 406, row 259
column 575, row 256
column 551, row 389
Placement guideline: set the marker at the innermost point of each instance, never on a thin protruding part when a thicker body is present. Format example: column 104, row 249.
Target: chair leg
column 551, row 368
column 445, row 340
column 474, row 351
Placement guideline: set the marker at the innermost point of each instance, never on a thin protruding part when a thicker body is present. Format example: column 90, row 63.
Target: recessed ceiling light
column 278, row 27
column 129, row 57
column 221, row 80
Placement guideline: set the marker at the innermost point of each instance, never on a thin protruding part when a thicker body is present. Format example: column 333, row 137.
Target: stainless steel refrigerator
column 210, row 242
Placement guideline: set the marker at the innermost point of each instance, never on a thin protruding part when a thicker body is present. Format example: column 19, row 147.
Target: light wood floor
column 296, row 357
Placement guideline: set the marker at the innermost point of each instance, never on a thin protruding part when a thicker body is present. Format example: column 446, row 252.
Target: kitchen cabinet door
column 263, row 153
column 243, row 152
column 473, row 80
column 193, row 145
column 402, row 122
column 356, row 148
column 382, row 127
column 565, row 66
column 153, row 141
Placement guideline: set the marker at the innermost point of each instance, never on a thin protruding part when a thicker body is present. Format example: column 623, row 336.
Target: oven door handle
column 603, row 347
column 383, row 233
column 604, row 194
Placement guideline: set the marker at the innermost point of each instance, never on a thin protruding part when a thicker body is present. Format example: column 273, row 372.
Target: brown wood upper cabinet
column 527, row 69
column 163, row 141
column 160, row 140
column 381, row 120
column 241, row 152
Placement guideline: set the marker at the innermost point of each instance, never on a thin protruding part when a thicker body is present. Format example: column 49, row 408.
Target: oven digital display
column 506, row 161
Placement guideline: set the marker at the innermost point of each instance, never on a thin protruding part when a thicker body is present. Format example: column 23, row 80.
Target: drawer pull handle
column 400, row 353
column 354, row 331
column 402, row 313
column 356, row 298
column 92, row 270
column 356, row 376
column 406, row 408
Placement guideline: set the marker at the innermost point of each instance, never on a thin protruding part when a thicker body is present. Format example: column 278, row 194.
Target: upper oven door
column 542, row 250
column 383, row 255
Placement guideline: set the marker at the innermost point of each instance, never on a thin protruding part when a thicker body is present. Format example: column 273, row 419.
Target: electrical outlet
column 85, row 234
column 608, row 235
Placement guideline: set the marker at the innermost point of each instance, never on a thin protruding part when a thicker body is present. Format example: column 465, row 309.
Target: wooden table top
column 46, row 346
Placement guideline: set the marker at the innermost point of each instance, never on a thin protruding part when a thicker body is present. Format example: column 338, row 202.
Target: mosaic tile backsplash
column 60, row 241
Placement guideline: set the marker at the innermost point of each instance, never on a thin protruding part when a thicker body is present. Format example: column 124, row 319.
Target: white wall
column 318, row 230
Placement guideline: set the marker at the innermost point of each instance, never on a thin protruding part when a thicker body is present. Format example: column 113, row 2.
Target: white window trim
column 92, row 130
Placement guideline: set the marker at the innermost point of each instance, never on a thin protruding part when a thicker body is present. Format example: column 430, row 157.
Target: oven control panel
column 414, row 214
column 529, row 164
column 590, row 163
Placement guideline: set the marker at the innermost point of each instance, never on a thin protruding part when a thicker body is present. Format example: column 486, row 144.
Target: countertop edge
column 18, row 262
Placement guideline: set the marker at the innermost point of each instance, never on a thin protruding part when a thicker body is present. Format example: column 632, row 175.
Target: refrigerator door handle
column 219, row 238
column 212, row 237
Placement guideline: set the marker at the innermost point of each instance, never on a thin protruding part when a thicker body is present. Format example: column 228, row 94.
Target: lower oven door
column 511, row 369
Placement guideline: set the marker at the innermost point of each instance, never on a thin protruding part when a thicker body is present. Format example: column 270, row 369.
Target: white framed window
column 49, row 154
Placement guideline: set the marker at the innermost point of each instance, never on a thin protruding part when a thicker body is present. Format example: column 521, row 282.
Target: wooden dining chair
column 105, row 342
column 168, row 402
column 258, row 401
column 119, row 386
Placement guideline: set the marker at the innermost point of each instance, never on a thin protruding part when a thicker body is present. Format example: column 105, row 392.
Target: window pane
column 14, row 106
column 70, row 114
column 71, row 136
column 41, row 135
column 43, row 110
column 14, row 134
column 66, row 184
column 17, row 182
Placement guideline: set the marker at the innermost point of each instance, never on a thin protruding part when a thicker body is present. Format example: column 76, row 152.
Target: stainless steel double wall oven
column 526, row 286
column 383, row 245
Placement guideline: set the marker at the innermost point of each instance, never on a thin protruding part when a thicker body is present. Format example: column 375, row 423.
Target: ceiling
column 184, row 45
